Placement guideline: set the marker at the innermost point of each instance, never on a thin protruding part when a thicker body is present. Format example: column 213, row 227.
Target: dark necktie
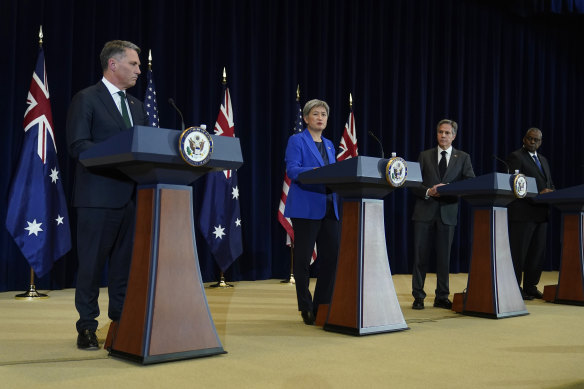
column 442, row 164
column 125, row 113
column 537, row 162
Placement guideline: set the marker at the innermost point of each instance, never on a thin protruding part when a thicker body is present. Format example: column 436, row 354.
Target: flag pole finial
column 298, row 93
column 41, row 36
column 224, row 77
column 150, row 59
column 350, row 101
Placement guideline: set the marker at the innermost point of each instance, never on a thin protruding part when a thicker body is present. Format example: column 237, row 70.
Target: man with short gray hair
column 104, row 200
column 435, row 216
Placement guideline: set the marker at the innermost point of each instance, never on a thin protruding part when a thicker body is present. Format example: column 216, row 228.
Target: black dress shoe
column 443, row 303
column 534, row 293
column 308, row 317
column 526, row 296
column 418, row 304
column 87, row 340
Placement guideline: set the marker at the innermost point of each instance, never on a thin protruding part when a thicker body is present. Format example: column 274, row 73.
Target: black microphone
column 378, row 141
column 182, row 120
column 505, row 163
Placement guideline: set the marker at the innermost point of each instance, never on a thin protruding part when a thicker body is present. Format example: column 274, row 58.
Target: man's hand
column 433, row 190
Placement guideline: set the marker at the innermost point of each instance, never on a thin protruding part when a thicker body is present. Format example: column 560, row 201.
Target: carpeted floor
column 269, row 346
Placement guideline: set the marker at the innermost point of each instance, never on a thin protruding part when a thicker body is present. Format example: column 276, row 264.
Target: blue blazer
column 306, row 201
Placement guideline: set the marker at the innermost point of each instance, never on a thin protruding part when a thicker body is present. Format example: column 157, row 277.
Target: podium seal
column 396, row 171
column 519, row 184
column 195, row 146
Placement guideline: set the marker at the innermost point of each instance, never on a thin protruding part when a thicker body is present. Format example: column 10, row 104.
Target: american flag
column 285, row 221
column 220, row 218
column 348, row 145
column 37, row 215
column 150, row 101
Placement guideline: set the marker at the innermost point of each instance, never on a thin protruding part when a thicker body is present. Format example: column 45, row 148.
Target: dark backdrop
column 496, row 67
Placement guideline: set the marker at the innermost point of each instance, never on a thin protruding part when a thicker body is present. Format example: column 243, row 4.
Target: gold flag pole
column 350, row 101
column 221, row 283
column 291, row 279
column 150, row 60
column 32, row 292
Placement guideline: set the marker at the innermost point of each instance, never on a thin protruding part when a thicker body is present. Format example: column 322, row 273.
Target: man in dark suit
column 527, row 220
column 435, row 216
column 104, row 199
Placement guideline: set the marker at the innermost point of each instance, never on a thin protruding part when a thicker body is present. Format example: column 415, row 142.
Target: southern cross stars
column 54, row 175
column 34, row 228
column 219, row 232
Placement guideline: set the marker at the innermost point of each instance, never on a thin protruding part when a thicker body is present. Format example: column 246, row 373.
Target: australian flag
column 220, row 218
column 37, row 215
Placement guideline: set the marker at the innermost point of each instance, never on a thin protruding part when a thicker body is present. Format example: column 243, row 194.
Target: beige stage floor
column 269, row 346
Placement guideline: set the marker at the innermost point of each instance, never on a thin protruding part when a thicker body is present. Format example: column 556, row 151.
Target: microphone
column 378, row 141
column 182, row 120
column 505, row 163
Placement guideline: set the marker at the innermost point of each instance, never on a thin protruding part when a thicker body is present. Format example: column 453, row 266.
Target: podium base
column 366, row 330
column 549, row 295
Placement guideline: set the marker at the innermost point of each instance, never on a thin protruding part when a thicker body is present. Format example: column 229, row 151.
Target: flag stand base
column 31, row 294
column 290, row 280
column 221, row 284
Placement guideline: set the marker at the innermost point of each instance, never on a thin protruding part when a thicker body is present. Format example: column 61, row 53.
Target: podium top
column 359, row 177
column 150, row 155
column 567, row 199
column 487, row 189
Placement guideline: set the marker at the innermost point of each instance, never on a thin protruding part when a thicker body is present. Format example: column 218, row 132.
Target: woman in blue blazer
column 313, row 210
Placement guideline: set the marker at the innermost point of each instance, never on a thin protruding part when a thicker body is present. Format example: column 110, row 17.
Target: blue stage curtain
column 496, row 67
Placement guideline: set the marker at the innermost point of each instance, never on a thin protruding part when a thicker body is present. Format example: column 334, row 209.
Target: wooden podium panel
column 570, row 287
column 364, row 299
column 492, row 289
column 165, row 314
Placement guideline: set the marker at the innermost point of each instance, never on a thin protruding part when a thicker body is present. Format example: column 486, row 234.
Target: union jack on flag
column 224, row 125
column 37, row 215
column 348, row 143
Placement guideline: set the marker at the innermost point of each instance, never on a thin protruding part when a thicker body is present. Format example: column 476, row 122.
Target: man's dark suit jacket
column 94, row 117
column 459, row 168
column 526, row 209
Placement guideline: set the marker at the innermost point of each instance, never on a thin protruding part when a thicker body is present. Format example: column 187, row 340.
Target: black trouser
column 427, row 235
column 103, row 235
column 325, row 232
column 528, row 243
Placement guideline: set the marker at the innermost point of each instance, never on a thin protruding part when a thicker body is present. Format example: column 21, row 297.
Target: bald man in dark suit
column 435, row 216
column 528, row 220
column 104, row 199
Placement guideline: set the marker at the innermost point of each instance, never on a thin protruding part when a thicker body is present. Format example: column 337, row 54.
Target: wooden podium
column 492, row 290
column 165, row 315
column 570, row 287
column 364, row 299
